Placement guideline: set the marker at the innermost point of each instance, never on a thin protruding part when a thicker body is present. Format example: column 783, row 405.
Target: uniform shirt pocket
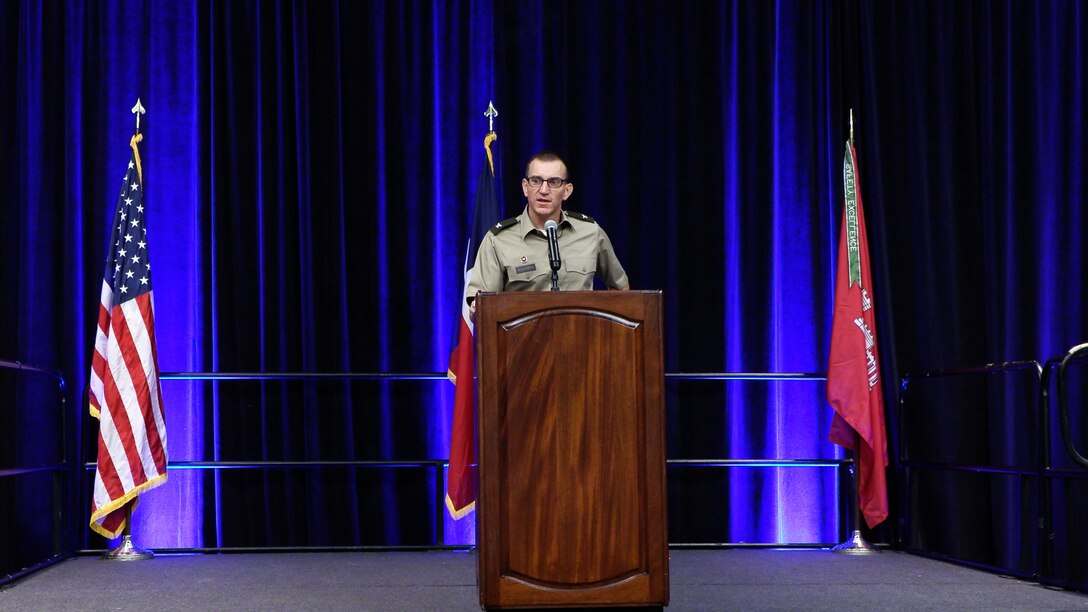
column 523, row 275
column 580, row 265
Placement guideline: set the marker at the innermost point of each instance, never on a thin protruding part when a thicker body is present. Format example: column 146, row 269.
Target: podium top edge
column 593, row 291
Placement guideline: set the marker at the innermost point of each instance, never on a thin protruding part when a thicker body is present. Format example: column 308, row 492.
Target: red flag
column 124, row 386
column 854, row 388
column 462, row 484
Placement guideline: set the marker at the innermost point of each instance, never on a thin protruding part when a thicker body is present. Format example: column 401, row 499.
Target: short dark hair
column 545, row 155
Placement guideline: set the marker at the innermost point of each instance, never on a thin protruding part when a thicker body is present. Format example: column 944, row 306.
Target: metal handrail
column 17, row 365
column 779, row 376
column 1002, row 366
column 59, row 513
column 745, row 376
column 303, row 376
column 1076, row 353
column 1046, row 512
column 905, row 463
column 815, row 463
column 22, row 367
column 31, row 470
column 970, row 467
column 1044, row 571
column 439, row 464
column 300, row 464
column 989, row 368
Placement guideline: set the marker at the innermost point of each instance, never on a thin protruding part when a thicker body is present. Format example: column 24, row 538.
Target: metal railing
column 1048, row 537
column 22, row 564
column 438, row 466
column 908, row 466
column 1039, row 469
column 1077, row 353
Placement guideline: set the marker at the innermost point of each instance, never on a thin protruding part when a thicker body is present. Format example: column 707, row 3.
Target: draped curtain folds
column 309, row 171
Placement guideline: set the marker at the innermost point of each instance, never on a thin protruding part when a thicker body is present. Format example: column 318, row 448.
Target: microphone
column 551, row 227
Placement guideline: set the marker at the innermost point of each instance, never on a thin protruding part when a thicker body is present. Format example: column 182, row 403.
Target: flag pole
column 855, row 544
column 462, row 486
column 128, row 551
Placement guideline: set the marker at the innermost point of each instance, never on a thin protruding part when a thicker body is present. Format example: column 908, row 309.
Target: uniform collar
column 527, row 224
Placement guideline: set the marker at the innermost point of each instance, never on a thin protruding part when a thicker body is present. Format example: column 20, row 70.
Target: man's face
column 545, row 201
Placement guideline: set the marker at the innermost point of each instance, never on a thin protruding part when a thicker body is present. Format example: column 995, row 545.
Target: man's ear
column 569, row 188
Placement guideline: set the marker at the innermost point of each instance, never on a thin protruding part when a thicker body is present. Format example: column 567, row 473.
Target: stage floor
column 735, row 579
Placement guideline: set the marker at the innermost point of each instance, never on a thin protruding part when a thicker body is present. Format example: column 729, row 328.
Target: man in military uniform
column 513, row 256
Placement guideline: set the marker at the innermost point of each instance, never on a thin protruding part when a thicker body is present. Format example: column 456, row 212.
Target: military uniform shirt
column 513, row 256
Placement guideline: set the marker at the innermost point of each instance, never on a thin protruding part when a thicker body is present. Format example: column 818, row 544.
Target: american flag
column 124, row 387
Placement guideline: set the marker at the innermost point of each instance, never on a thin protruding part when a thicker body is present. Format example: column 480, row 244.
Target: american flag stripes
column 124, row 386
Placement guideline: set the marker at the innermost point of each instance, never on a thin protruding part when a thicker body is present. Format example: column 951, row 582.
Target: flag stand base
column 128, row 551
column 856, row 545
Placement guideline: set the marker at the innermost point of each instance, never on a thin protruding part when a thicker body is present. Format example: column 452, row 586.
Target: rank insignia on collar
column 505, row 223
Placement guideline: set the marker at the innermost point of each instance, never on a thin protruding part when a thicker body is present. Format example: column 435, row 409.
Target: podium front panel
column 572, row 466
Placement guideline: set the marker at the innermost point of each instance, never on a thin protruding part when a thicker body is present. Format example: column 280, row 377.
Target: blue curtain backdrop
column 310, row 166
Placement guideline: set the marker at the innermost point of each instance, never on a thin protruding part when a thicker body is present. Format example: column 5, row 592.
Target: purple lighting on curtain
column 173, row 170
column 162, row 70
column 783, row 199
column 310, row 166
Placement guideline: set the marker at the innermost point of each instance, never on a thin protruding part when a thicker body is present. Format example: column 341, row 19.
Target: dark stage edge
column 734, row 579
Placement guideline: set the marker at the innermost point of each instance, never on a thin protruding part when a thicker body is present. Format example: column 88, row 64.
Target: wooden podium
column 571, row 449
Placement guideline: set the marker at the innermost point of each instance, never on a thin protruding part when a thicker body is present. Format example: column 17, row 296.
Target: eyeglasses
column 536, row 182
